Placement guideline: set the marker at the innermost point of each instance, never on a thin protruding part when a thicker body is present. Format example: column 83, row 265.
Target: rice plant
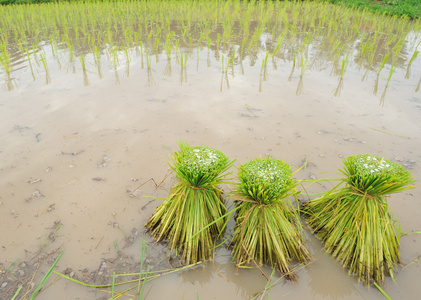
column 267, row 228
column 193, row 214
column 355, row 222
column 413, row 57
column 75, row 28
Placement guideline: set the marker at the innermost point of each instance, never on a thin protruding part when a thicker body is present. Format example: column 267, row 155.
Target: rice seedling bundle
column 193, row 214
column 355, row 221
column 267, row 229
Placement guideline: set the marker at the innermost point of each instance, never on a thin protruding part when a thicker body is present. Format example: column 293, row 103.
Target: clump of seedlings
column 355, row 221
column 194, row 213
column 267, row 228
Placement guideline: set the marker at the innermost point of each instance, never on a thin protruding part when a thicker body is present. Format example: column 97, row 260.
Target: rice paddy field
column 96, row 95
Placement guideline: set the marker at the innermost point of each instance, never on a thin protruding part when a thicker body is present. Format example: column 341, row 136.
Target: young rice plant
column 194, row 213
column 355, row 221
column 267, row 229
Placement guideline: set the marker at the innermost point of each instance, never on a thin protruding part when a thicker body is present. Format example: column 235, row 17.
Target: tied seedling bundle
column 194, row 212
column 267, row 229
column 355, row 222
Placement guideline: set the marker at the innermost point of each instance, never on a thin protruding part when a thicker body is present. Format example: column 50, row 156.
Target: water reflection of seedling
column 263, row 71
column 168, row 69
column 148, row 60
column 82, row 60
column 236, row 24
column 233, row 61
column 293, row 65
column 339, row 88
column 151, row 80
column 115, row 58
column 417, row 88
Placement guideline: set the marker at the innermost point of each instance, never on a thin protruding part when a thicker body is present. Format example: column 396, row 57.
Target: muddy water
column 77, row 155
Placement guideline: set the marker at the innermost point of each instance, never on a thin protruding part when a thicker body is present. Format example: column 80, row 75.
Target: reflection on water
column 321, row 279
column 239, row 32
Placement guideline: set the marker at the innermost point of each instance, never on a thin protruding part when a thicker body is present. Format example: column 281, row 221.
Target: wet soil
column 76, row 161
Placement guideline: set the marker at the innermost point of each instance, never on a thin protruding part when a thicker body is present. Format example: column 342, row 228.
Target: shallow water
column 95, row 141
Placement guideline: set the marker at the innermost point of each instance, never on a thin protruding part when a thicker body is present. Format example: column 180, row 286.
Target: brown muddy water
column 77, row 155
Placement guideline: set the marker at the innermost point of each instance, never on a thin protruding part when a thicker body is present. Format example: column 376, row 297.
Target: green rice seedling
column 192, row 216
column 44, row 63
column 267, row 228
column 5, row 58
column 414, row 56
column 148, row 60
column 372, row 54
column 115, row 58
column 141, row 54
column 126, row 54
column 303, row 66
column 344, row 65
column 385, row 58
column 183, row 60
column 96, row 54
column 30, row 63
column 278, row 45
column 82, row 62
column 392, row 70
column 46, row 276
column 354, row 221
column 263, row 71
column 156, row 45
column 389, row 77
column 167, row 47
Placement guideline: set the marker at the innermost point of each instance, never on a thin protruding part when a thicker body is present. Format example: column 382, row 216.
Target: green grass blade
column 44, row 280
column 17, row 292
column 381, row 290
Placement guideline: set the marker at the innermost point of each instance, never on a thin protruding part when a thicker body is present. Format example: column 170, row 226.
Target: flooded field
column 95, row 97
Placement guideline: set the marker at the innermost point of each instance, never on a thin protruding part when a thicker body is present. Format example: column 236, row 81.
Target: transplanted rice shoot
column 194, row 202
column 267, row 229
column 355, row 222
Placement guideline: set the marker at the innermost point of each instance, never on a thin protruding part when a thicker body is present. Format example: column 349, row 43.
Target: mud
column 77, row 156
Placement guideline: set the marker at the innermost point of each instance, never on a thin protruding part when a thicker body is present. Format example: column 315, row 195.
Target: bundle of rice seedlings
column 355, row 221
column 267, row 229
column 194, row 202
